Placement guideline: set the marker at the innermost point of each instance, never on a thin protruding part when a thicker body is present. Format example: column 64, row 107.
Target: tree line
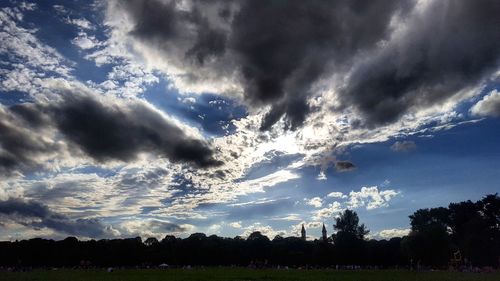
column 465, row 234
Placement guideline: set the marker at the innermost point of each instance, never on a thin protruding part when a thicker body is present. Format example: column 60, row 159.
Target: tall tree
column 475, row 228
column 349, row 240
column 348, row 222
column 429, row 242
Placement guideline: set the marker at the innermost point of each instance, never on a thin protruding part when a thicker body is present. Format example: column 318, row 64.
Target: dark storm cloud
column 112, row 132
column 162, row 22
column 103, row 131
column 36, row 215
column 285, row 46
column 344, row 166
column 17, row 207
column 452, row 46
column 20, row 139
column 279, row 48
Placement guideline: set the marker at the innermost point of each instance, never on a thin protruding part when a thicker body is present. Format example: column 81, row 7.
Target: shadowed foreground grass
column 241, row 274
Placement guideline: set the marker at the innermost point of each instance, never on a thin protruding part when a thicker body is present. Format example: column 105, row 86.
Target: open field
column 242, row 274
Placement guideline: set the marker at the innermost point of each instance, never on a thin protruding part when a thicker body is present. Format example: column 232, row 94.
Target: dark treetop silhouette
column 465, row 234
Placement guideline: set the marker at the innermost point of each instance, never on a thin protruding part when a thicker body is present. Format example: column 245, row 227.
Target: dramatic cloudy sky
column 125, row 118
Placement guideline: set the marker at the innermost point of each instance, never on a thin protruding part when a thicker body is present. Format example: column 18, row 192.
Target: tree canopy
column 348, row 222
column 471, row 228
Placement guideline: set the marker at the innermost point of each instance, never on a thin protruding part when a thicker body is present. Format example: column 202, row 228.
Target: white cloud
column 128, row 79
column 235, row 224
column 189, row 100
column 333, row 210
column 315, row 201
column 214, row 229
column 81, row 23
column 258, row 185
column 256, row 202
column 85, row 42
column 489, row 105
column 31, row 62
column 289, row 217
column 391, row 233
column 371, row 197
column 336, row 194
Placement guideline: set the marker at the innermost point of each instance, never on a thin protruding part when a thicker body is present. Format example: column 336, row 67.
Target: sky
column 152, row 118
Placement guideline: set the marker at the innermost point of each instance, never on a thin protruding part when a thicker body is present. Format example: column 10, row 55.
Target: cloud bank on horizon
column 153, row 117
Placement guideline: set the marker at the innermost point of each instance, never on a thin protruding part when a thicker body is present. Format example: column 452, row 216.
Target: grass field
column 241, row 274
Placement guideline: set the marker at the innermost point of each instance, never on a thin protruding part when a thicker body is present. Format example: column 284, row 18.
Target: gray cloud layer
column 20, row 141
column 281, row 48
column 36, row 215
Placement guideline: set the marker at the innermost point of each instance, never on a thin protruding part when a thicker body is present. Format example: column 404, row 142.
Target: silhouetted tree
column 348, row 222
column 428, row 242
column 472, row 228
column 348, row 240
column 475, row 229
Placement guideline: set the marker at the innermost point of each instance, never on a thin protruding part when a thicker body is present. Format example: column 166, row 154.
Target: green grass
column 242, row 274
